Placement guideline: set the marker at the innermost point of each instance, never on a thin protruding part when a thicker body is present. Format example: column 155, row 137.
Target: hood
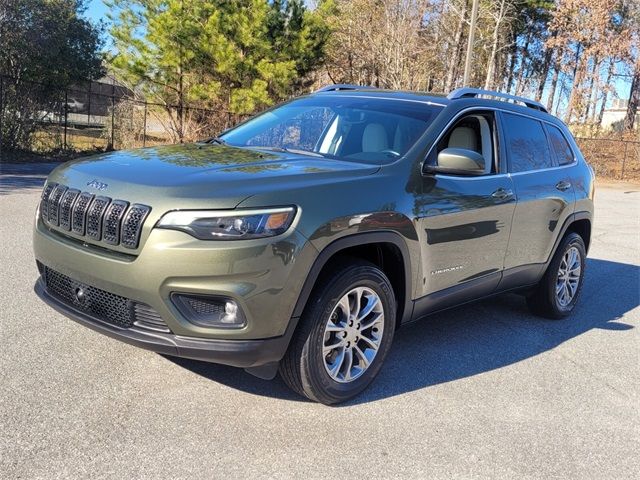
column 200, row 175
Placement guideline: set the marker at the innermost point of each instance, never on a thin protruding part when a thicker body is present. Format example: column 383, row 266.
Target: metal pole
column 113, row 112
column 144, row 129
column 472, row 32
column 66, row 109
column 89, row 105
column 1, row 110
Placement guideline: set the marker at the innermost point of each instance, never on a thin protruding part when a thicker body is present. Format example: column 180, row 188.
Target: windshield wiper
column 218, row 140
column 289, row 150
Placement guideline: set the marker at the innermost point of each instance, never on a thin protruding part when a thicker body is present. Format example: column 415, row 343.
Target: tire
column 326, row 377
column 544, row 301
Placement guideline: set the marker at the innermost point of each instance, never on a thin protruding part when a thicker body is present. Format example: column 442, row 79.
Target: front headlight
column 230, row 224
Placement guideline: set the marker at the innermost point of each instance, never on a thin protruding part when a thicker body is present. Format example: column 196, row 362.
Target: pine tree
column 237, row 56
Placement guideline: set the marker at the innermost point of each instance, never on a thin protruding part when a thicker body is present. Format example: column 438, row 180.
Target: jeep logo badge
column 97, row 185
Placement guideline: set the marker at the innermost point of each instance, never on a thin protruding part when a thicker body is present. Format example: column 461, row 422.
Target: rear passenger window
column 560, row 146
column 527, row 145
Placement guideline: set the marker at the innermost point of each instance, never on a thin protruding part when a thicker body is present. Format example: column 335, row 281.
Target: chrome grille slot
column 94, row 217
column 147, row 317
column 54, row 203
column 44, row 201
column 79, row 213
column 112, row 221
column 132, row 225
column 66, row 204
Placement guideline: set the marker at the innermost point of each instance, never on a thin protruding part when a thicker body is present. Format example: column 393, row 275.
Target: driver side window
column 475, row 133
column 301, row 131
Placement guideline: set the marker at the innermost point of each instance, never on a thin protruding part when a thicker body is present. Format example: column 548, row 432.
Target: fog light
column 209, row 311
column 230, row 312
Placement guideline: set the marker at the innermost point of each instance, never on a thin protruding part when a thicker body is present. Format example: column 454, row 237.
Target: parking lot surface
column 482, row 391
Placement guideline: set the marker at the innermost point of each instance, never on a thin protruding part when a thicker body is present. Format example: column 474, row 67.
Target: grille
column 147, row 317
column 94, row 217
column 103, row 305
column 205, row 308
column 108, row 307
column 132, row 225
column 100, row 218
column 79, row 214
column 112, row 220
column 65, row 207
column 54, row 203
column 44, row 201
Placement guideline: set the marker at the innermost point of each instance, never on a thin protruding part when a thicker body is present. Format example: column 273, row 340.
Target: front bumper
column 237, row 353
column 263, row 277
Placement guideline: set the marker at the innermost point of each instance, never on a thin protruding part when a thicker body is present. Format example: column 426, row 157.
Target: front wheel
column 557, row 293
column 344, row 335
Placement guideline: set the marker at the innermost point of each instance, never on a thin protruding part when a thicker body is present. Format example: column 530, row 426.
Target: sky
column 97, row 11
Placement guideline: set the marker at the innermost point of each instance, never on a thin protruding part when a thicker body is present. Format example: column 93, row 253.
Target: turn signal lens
column 277, row 221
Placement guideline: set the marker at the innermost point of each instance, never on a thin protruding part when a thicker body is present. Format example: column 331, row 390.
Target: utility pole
column 472, row 32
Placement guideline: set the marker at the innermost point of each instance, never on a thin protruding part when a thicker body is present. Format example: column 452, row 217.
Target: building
column 613, row 116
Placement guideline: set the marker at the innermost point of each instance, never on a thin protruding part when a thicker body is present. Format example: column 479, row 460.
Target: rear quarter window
column 526, row 142
column 560, row 146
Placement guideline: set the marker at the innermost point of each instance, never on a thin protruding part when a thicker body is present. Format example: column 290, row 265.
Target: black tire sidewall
column 315, row 378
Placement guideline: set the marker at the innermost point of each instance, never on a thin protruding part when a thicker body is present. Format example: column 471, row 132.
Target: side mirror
column 458, row 161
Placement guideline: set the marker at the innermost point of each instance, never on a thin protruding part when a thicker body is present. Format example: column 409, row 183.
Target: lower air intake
column 105, row 306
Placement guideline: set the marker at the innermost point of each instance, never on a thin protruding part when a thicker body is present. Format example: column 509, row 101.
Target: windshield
column 338, row 126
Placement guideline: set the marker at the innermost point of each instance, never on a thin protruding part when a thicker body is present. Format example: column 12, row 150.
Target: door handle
column 502, row 194
column 563, row 185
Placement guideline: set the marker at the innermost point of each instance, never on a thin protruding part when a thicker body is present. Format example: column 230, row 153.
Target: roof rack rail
column 467, row 92
column 344, row 86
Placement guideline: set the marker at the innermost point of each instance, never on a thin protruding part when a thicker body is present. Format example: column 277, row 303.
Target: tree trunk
column 575, row 86
column 457, row 42
column 554, row 80
column 524, row 57
column 548, row 56
column 488, row 82
column 605, row 98
column 634, row 98
column 510, row 67
column 592, row 98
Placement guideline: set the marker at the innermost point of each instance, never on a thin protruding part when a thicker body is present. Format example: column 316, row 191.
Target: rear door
column 544, row 189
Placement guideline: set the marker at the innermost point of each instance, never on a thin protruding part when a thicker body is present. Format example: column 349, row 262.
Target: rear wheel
column 344, row 335
column 557, row 293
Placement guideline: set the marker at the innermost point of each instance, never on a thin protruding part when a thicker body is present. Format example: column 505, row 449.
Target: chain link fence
column 38, row 119
column 611, row 158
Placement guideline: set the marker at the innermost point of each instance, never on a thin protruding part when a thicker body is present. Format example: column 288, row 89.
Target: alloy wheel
column 353, row 334
column 568, row 277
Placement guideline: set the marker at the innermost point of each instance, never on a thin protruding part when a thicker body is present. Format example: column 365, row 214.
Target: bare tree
column 501, row 12
column 634, row 98
column 632, row 11
column 588, row 31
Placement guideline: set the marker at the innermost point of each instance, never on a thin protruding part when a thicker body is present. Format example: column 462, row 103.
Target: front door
column 464, row 221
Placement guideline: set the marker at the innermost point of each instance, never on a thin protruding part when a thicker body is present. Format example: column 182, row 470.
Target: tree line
column 567, row 53
column 241, row 56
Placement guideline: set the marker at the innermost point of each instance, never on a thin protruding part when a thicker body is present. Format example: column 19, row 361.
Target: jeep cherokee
column 301, row 239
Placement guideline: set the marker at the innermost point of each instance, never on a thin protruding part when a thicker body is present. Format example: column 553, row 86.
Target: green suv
column 300, row 240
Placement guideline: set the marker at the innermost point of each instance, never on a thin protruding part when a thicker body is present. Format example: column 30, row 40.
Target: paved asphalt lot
column 484, row 391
